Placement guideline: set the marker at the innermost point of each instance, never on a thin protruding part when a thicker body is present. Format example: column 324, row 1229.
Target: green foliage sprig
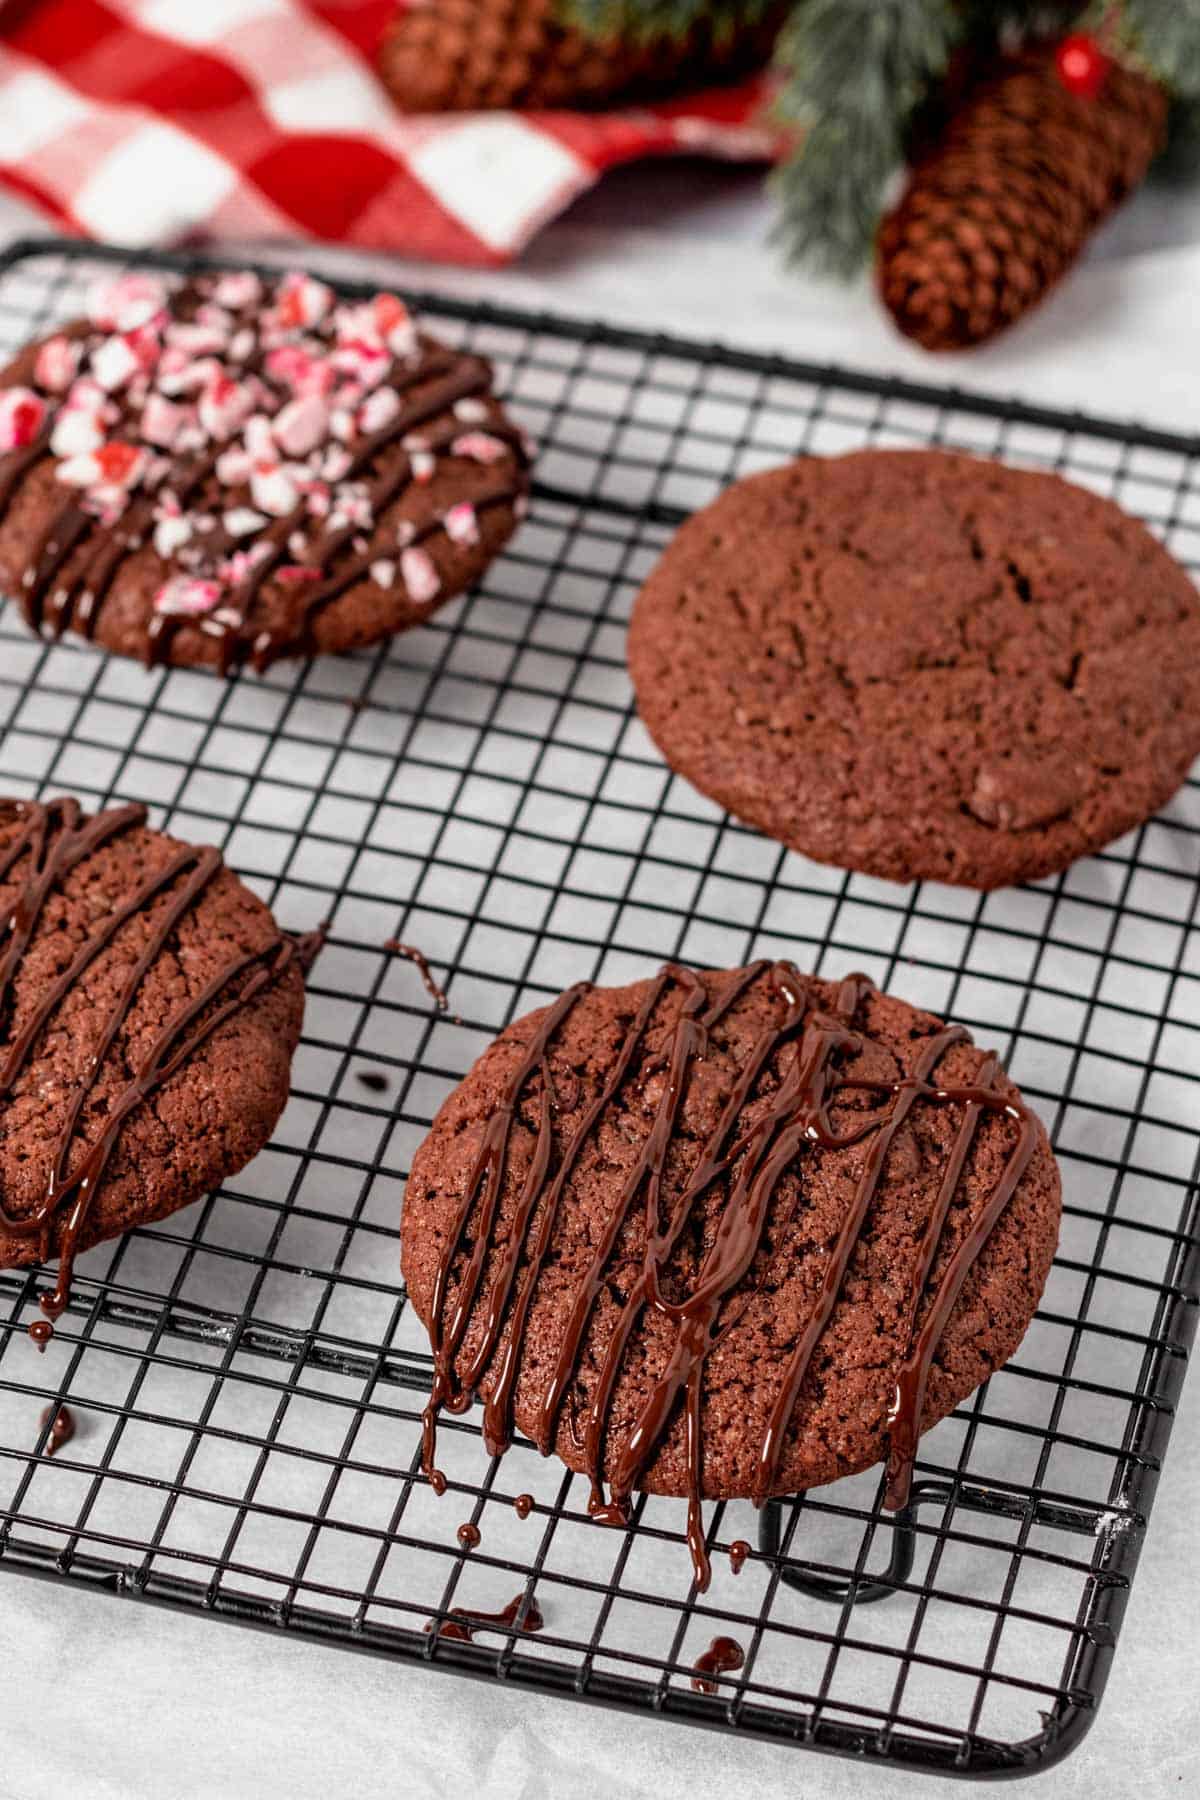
column 855, row 76
column 640, row 19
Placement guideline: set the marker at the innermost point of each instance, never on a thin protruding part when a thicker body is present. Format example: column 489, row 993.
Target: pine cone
column 466, row 55
column 1004, row 204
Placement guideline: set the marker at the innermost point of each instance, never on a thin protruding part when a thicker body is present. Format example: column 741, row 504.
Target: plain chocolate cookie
column 921, row 665
column 149, row 1008
column 729, row 1234
column 229, row 471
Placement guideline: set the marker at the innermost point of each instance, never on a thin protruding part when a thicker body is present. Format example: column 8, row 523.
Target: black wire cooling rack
column 245, row 1377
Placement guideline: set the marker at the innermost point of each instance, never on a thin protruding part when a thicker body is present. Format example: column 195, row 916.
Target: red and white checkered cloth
column 161, row 121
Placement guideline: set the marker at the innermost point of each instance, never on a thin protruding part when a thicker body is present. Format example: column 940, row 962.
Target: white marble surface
column 122, row 1701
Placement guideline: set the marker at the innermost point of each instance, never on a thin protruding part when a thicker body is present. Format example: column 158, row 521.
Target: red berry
column 1082, row 65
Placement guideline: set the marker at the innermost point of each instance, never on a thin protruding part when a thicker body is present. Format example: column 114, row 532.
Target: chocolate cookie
column 149, row 1008
column 226, row 471
column 726, row 1235
column 921, row 665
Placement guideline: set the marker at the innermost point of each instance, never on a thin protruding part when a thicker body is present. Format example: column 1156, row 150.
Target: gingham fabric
column 162, row 121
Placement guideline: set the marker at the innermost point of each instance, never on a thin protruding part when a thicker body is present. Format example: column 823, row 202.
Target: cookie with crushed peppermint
column 228, row 469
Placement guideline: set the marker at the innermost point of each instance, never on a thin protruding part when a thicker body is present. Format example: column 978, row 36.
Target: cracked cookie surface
column 921, row 665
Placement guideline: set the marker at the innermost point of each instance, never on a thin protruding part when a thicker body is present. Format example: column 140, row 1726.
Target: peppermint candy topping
column 57, row 364
column 184, row 596
column 239, row 290
column 479, row 446
column 126, row 303
column 419, row 575
column 22, row 414
column 275, row 397
column 300, row 301
column 462, row 523
column 109, row 466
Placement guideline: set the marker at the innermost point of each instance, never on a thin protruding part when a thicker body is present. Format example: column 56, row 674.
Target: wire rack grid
column 246, row 1378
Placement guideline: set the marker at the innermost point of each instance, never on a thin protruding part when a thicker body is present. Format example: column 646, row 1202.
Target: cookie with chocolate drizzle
column 227, row 470
column 149, row 1008
column 922, row 665
column 726, row 1235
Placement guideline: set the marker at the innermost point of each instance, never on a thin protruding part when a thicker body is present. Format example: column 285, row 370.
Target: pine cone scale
column 477, row 55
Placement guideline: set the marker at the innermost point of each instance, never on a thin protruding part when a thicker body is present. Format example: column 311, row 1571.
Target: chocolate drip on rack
column 54, row 838
column 723, row 1656
column 464, row 1622
column 804, row 1049
column 62, row 1427
column 421, row 963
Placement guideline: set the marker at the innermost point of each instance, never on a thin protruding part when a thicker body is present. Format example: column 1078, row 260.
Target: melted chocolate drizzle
column 464, row 1622
column 722, row 1657
column 54, row 838
column 804, row 1048
column 76, row 539
column 739, row 1550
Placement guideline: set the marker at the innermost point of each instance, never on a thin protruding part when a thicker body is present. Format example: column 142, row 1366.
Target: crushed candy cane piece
column 57, row 364
column 259, row 438
column 394, row 324
column 224, row 406
column 424, row 462
column 479, row 446
column 171, row 534
column 109, row 466
column 420, row 576
column 162, row 421
column 470, row 410
column 383, row 572
column 298, row 368
column 188, row 377
column 273, row 489
column 351, row 506
column 301, row 425
column 237, row 290
column 335, row 462
column 127, row 302
column 217, row 317
column 301, row 301
column 240, row 521
column 240, row 564
column 76, row 432
column 22, row 414
column 298, row 572
column 233, row 466
column 378, row 410
column 462, row 523
column 366, row 362
column 195, row 339
column 185, row 597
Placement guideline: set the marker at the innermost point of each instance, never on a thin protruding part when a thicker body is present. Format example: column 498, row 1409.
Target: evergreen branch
column 1163, row 37
column 854, row 73
column 642, row 19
